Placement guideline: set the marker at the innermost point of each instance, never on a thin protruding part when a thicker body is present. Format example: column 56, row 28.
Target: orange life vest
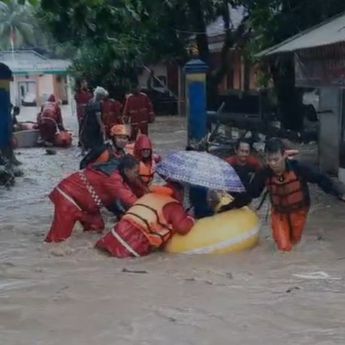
column 147, row 171
column 147, row 215
column 286, row 193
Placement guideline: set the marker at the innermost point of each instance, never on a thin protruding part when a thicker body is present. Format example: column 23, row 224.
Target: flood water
column 72, row 294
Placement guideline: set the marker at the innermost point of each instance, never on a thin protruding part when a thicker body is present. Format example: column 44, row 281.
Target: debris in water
column 320, row 237
column 50, row 152
column 125, row 270
column 229, row 275
column 293, row 289
column 316, row 275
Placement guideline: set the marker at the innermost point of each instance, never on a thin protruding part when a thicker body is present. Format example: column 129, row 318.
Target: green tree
column 130, row 33
column 16, row 24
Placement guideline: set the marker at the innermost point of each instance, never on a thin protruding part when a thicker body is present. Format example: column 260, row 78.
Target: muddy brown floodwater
column 72, row 294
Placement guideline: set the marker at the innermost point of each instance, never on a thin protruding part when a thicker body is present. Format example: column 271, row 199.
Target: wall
column 60, row 87
column 45, row 87
column 235, row 78
column 330, row 125
column 15, row 87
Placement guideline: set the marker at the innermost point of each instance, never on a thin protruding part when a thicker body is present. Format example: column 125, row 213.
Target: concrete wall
column 235, row 78
column 60, row 87
column 45, row 87
column 330, row 129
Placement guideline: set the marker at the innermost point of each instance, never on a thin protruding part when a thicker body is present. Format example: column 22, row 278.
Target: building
column 319, row 55
column 241, row 75
column 35, row 77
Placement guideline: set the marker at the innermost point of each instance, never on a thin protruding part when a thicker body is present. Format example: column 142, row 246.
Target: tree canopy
column 117, row 37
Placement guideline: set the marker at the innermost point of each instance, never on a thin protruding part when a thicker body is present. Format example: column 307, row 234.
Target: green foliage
column 124, row 34
column 16, row 20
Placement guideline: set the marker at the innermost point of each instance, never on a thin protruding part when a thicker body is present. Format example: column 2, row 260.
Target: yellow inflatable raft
column 227, row 232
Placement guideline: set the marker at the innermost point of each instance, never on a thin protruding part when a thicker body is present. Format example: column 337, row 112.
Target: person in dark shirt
column 287, row 181
column 244, row 163
column 92, row 133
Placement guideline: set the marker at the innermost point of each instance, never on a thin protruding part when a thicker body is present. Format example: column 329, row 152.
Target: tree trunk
column 216, row 76
column 247, row 74
column 289, row 98
column 200, row 28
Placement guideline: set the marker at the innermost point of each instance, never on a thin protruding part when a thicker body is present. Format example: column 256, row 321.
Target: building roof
column 30, row 62
column 328, row 32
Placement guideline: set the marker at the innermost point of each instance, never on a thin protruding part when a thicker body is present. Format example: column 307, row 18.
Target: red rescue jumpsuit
column 111, row 114
column 50, row 120
column 146, row 227
column 139, row 110
column 147, row 165
column 74, row 201
column 82, row 98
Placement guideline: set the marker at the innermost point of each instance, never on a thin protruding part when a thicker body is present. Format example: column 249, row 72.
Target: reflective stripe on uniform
column 124, row 244
column 67, row 197
column 91, row 190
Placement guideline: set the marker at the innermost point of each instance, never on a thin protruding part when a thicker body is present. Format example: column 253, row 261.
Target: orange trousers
column 288, row 228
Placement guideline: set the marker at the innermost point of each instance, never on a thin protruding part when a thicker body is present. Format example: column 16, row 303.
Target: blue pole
column 195, row 71
column 5, row 119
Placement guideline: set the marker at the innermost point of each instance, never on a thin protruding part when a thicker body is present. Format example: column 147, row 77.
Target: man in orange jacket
column 81, row 196
column 147, row 225
column 139, row 111
column 287, row 183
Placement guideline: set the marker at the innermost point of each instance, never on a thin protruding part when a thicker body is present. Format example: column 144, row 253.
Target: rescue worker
column 244, row 163
column 111, row 114
column 92, row 132
column 82, row 98
column 287, row 183
column 147, row 226
column 120, row 137
column 139, row 111
column 144, row 154
column 80, row 197
column 50, row 122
